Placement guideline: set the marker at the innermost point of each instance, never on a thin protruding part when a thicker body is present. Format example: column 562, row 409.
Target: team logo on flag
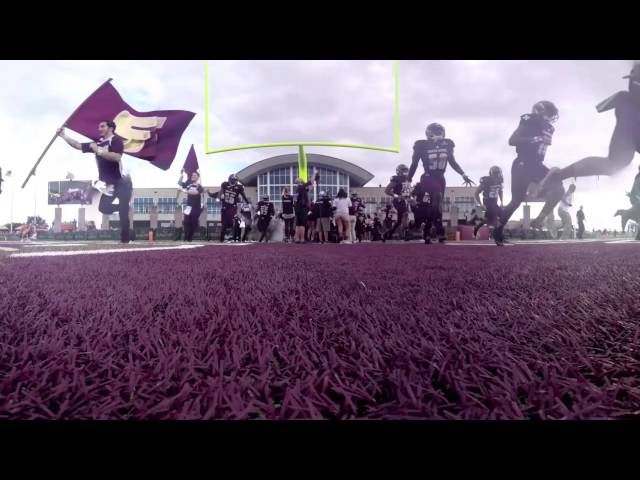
column 136, row 130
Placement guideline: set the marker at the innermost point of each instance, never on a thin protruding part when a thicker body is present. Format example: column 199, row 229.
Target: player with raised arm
column 531, row 139
column 302, row 205
column 436, row 152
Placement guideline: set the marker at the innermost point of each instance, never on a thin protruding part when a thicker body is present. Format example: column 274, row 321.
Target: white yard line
column 466, row 244
column 7, row 249
column 109, row 250
column 39, row 245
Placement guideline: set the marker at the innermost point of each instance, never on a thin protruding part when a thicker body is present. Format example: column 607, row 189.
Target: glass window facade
column 167, row 205
column 213, row 207
column 273, row 182
column 142, row 204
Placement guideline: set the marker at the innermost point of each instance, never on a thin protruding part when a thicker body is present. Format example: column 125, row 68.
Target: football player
column 625, row 140
column 230, row 193
column 436, row 152
column 265, row 212
column 400, row 189
column 491, row 189
column 531, row 139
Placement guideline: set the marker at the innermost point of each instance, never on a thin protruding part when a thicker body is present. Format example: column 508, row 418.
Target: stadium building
column 270, row 176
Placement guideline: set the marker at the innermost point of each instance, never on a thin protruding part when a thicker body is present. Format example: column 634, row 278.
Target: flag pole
column 32, row 172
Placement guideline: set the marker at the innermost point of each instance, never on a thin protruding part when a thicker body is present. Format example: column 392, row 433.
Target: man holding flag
column 112, row 184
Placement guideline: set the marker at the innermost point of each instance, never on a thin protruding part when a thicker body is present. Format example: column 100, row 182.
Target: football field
column 465, row 330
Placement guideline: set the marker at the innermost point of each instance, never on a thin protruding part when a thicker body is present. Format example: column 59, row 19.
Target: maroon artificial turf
column 335, row 331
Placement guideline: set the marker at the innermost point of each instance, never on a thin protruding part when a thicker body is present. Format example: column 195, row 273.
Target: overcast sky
column 478, row 102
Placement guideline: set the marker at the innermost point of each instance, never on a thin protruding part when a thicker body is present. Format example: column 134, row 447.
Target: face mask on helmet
column 435, row 131
column 265, row 198
column 233, row 179
column 402, row 169
column 496, row 172
column 547, row 110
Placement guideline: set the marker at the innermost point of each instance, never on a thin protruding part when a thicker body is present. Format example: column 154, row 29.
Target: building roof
column 358, row 177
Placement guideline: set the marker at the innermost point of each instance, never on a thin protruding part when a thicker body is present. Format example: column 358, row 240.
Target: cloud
column 479, row 102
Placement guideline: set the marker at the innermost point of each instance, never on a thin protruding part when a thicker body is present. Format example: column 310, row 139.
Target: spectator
column 580, row 218
column 377, row 228
column 360, row 223
column 353, row 213
column 288, row 215
column 236, row 227
column 368, row 227
column 323, row 216
column 302, row 206
column 246, row 212
column 563, row 212
column 310, row 232
column 342, row 204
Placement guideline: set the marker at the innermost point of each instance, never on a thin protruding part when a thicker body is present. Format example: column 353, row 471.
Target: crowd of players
column 419, row 205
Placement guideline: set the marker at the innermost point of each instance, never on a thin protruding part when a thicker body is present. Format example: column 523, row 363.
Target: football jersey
column 401, row 185
column 230, row 194
column 435, row 154
column 533, row 125
column 491, row 189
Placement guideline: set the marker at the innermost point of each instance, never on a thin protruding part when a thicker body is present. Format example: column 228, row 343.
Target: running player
column 400, row 189
column 625, row 140
column 436, row 152
column 265, row 213
column 491, row 189
column 230, row 193
column 531, row 139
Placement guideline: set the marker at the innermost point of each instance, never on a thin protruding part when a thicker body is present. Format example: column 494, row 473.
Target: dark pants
column 434, row 186
column 289, row 227
column 236, row 232
column 123, row 190
column 625, row 142
column 580, row 229
column 492, row 215
column 523, row 173
column 191, row 223
column 263, row 227
column 227, row 216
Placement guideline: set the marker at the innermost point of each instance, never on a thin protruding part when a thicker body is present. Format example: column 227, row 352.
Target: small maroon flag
column 152, row 136
column 191, row 163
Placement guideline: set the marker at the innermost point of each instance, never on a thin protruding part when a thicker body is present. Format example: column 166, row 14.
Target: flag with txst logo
column 152, row 136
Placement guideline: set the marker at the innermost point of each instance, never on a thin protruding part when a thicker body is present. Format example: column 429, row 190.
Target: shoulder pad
column 419, row 144
column 450, row 142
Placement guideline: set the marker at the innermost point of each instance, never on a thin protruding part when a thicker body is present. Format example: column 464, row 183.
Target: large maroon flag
column 152, row 136
column 191, row 163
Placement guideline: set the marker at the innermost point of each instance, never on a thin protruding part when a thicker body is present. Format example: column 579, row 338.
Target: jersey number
column 438, row 161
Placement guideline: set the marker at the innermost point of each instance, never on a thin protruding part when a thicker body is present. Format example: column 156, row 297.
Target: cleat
column 427, row 241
